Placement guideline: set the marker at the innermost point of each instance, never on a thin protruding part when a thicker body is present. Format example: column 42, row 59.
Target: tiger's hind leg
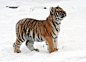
column 17, row 45
column 29, row 45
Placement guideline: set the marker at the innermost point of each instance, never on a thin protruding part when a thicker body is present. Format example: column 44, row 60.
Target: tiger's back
column 32, row 29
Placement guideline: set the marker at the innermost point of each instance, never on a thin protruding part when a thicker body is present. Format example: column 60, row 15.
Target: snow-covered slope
column 72, row 37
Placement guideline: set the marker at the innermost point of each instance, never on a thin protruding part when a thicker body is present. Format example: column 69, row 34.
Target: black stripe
column 34, row 25
column 53, row 32
column 33, row 34
column 24, row 21
column 22, row 33
column 22, row 36
column 46, row 29
column 17, row 31
column 20, row 40
column 31, row 24
column 38, row 36
column 54, row 26
column 29, row 32
column 57, row 23
column 35, row 20
column 26, row 24
column 40, row 32
column 30, row 18
column 17, row 27
column 53, row 37
column 41, row 39
column 36, row 29
column 27, row 42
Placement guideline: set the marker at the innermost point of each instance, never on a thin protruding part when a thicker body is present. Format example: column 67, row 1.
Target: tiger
column 30, row 30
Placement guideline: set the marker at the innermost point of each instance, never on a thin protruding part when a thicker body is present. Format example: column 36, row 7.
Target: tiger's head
column 58, row 13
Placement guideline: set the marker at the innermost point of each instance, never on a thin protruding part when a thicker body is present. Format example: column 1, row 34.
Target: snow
column 71, row 39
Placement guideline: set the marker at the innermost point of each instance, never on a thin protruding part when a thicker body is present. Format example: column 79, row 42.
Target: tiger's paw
column 56, row 49
column 17, row 51
column 36, row 50
column 52, row 51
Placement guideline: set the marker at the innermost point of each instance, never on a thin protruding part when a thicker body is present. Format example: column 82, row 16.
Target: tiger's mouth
column 63, row 15
column 58, row 18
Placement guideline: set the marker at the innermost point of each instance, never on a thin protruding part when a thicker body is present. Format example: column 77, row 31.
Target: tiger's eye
column 60, row 11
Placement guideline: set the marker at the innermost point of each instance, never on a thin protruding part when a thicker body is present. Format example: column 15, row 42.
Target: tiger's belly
column 36, row 38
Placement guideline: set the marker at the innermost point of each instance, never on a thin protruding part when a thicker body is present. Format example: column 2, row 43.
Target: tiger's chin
column 58, row 19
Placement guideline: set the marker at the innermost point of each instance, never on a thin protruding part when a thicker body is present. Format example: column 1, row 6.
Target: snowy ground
column 72, row 37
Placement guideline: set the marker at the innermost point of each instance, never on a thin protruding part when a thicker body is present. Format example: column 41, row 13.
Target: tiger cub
column 31, row 30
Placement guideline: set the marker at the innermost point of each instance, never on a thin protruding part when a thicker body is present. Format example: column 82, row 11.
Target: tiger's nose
column 63, row 15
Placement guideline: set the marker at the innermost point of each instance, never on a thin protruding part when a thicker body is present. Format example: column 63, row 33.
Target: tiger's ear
column 58, row 6
column 51, row 10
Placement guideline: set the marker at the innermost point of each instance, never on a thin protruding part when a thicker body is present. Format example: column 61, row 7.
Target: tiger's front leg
column 50, row 43
column 55, row 44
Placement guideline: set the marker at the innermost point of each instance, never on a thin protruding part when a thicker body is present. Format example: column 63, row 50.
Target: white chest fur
column 56, row 28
